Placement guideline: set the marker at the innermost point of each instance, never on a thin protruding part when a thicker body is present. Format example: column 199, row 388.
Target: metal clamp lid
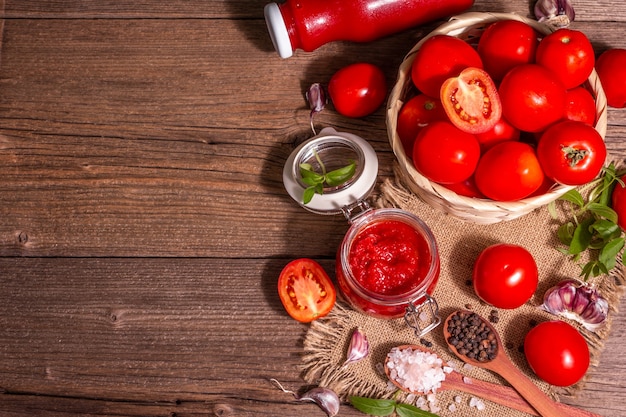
column 417, row 315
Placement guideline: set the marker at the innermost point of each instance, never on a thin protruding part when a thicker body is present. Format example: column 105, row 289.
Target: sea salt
column 416, row 370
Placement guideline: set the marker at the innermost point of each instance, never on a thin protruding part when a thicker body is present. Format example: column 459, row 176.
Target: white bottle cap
column 278, row 30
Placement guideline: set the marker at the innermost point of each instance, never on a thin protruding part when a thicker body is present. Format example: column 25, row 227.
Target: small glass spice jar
column 388, row 263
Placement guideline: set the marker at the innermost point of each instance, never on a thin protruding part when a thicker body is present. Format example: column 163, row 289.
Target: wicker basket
column 469, row 27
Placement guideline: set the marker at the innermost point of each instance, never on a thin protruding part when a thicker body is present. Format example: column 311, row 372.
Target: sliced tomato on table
column 471, row 101
column 306, row 291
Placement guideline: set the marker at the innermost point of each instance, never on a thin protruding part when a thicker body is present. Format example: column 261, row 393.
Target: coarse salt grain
column 415, row 370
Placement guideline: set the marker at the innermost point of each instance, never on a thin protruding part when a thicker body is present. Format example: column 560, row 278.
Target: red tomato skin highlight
column 505, row 275
column 358, row 89
column 580, row 105
column 579, row 136
column 502, row 131
column 439, row 58
column 569, row 54
column 509, row 171
column 618, row 203
column 557, row 353
column 445, row 154
column 611, row 69
column 532, row 97
column 505, row 44
column 416, row 113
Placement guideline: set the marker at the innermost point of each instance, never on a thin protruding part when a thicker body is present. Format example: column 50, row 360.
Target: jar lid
column 335, row 150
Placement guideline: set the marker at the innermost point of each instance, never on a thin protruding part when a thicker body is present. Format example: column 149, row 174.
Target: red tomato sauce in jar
column 388, row 259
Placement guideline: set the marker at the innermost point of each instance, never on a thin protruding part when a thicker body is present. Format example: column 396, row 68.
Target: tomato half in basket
column 306, row 291
column 471, row 101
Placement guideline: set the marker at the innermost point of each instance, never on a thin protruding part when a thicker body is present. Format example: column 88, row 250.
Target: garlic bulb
column 577, row 301
column 555, row 13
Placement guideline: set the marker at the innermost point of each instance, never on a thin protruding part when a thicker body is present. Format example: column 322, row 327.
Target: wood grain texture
column 143, row 220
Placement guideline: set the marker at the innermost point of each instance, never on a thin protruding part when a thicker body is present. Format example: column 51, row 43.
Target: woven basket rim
column 469, row 208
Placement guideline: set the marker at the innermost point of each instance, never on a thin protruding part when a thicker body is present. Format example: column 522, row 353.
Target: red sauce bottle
column 309, row 24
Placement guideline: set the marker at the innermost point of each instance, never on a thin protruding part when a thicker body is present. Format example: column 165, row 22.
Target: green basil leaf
column 310, row 175
column 308, row 195
column 341, row 175
column 565, row 233
column 606, row 229
column 407, row 410
column 373, row 406
column 582, row 237
column 573, row 196
column 604, row 211
column 608, row 254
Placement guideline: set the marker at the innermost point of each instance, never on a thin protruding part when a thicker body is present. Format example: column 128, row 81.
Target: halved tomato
column 306, row 291
column 471, row 101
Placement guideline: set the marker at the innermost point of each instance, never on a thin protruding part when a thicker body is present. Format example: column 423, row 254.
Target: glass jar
column 393, row 237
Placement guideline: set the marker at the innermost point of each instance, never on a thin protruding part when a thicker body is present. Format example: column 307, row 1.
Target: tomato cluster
column 518, row 114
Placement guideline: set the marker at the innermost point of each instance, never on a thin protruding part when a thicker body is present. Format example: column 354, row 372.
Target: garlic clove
column 359, row 347
column 316, row 97
column 555, row 13
column 577, row 301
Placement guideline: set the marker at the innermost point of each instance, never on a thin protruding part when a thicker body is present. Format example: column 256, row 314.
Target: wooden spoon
column 503, row 366
column 496, row 393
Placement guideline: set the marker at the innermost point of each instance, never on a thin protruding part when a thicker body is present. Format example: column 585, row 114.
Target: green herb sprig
column 380, row 407
column 316, row 181
column 593, row 225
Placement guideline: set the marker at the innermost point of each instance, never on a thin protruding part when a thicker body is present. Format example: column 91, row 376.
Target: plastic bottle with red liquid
column 309, row 24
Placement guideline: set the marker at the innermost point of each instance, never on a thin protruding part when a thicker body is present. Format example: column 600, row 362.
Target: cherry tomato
column 358, row 89
column 306, row 291
column 471, row 101
column 439, row 58
column 571, row 153
column 618, row 203
column 502, row 131
column 505, row 275
column 611, row 68
column 445, row 154
column 416, row 113
column 580, row 105
column 569, row 54
column 506, row 44
column 532, row 97
column 509, row 171
column 557, row 353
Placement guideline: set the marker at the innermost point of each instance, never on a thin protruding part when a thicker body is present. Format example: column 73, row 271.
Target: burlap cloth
column 460, row 242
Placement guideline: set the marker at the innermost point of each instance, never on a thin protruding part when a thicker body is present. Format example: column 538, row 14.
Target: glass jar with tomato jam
column 388, row 263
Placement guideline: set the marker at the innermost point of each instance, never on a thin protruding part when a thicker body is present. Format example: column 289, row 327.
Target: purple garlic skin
column 359, row 347
column 577, row 301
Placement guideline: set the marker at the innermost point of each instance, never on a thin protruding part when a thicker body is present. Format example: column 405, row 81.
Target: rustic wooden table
column 143, row 219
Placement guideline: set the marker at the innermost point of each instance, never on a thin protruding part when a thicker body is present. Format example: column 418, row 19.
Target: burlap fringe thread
column 334, row 331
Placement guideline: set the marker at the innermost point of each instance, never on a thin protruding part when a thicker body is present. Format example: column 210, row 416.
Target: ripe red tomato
column 471, row 101
column 416, row 113
column 502, row 131
column 557, row 353
column 445, row 154
column 306, row 291
column 505, row 275
column 506, row 44
column 439, row 58
column 571, row 153
column 509, row 171
column 532, row 97
column 611, row 68
column 466, row 188
column 618, row 203
column 580, row 105
column 358, row 89
column 569, row 54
